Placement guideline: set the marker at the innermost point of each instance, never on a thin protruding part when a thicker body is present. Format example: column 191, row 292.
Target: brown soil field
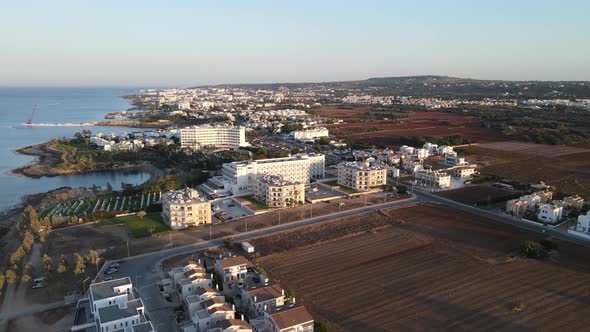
column 534, row 149
column 362, row 125
column 479, row 195
column 565, row 168
column 425, row 268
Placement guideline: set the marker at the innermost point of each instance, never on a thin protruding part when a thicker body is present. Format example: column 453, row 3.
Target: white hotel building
column 240, row 176
column 310, row 134
column 221, row 137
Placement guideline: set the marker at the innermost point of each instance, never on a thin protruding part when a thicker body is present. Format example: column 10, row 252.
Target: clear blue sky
column 180, row 43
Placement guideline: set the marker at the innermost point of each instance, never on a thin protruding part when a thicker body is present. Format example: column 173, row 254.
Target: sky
column 186, row 43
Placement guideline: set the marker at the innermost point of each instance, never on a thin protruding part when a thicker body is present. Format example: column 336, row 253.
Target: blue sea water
column 54, row 105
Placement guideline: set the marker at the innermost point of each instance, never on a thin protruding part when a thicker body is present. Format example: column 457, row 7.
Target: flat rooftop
column 104, row 290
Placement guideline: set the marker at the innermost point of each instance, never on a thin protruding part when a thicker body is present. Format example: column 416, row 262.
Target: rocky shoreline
column 48, row 158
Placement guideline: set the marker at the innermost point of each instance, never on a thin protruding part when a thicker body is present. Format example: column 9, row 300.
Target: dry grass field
column 418, row 123
column 425, row 268
column 479, row 195
column 566, row 168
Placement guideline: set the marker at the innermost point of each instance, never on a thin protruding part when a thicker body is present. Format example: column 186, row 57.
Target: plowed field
column 426, row 268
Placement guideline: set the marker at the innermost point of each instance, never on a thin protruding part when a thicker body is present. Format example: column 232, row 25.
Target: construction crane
column 30, row 120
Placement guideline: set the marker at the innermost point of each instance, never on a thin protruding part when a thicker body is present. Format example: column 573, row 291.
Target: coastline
column 48, row 158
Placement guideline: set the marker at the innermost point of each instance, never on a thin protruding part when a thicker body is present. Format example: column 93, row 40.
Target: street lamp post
column 84, row 285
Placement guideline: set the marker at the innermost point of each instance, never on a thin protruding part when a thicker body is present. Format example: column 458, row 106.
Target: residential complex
column 361, row 176
column 111, row 306
column 240, row 177
column 184, row 208
column 432, row 178
column 220, row 137
column 273, row 191
column 288, row 318
column 309, row 134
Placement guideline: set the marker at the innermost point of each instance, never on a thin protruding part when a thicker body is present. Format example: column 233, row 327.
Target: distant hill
column 444, row 86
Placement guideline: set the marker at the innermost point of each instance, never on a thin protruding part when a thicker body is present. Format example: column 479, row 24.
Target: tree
column 28, row 241
column 109, row 187
column 11, row 277
column 62, row 265
column 151, row 229
column 80, row 266
column 26, row 278
column 2, row 281
column 227, row 242
column 93, row 257
column 533, row 249
column 402, row 190
column 321, row 326
column 47, row 262
column 290, row 294
column 141, row 214
column 17, row 255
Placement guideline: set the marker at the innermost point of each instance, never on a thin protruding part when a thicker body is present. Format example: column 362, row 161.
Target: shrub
column 533, row 249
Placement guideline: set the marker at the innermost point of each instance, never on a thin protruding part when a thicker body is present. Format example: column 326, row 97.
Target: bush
column 321, row 326
column 227, row 242
column 402, row 190
column 533, row 250
column 549, row 245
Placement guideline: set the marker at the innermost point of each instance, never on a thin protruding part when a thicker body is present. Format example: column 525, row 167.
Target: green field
column 138, row 227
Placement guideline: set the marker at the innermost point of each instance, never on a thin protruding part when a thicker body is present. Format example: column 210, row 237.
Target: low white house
column 583, row 224
column 550, row 213
column 288, row 318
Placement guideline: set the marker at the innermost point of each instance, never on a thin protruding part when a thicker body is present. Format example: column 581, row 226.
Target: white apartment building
column 445, row 149
column 432, row 148
column 310, row 134
column 184, row 208
column 240, row 176
column 463, row 172
column 583, row 224
column 433, row 179
column 421, row 154
column 550, row 213
column 258, row 300
column 361, row 175
column 273, row 191
column 221, row 137
column 111, row 306
column 452, row 159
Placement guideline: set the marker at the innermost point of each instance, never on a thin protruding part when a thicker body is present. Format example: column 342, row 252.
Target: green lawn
column 83, row 148
column 257, row 205
column 138, row 227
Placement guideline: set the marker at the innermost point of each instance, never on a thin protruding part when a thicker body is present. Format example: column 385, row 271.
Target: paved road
column 144, row 270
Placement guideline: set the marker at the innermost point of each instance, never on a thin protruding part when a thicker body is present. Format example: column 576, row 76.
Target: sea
column 54, row 105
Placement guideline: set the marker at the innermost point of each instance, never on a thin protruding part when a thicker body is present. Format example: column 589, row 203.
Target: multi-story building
column 257, row 300
column 288, row 318
column 300, row 168
column 550, row 213
column 361, row 175
column 433, row 178
column 516, row 207
column 232, row 269
column 273, row 191
column 310, row 134
column 184, row 208
column 221, row 137
column 463, row 172
column 583, row 224
column 575, row 202
column 111, row 306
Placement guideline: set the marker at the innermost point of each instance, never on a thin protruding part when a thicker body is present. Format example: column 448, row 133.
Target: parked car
column 108, row 278
column 37, row 285
column 111, row 271
column 115, row 265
